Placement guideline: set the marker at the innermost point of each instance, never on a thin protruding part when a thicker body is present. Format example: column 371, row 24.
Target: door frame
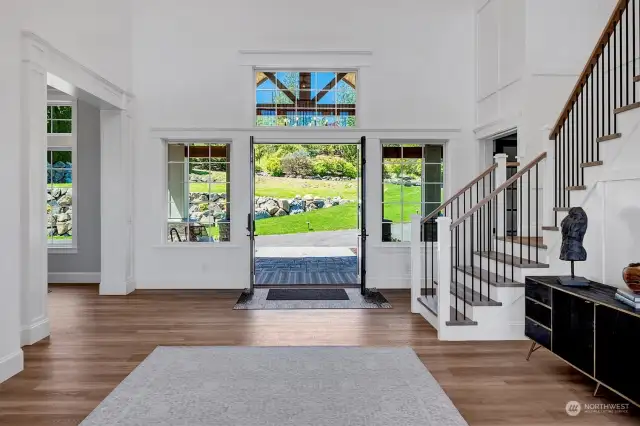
column 340, row 140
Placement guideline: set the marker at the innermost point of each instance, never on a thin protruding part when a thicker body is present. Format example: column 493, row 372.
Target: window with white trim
column 305, row 98
column 198, row 192
column 60, row 170
column 413, row 183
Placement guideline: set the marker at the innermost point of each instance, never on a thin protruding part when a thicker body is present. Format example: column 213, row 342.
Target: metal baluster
column 537, row 208
column 472, row 256
column 633, row 44
column 529, row 215
column 555, row 179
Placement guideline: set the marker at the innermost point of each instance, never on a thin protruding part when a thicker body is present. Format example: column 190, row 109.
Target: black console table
column 589, row 329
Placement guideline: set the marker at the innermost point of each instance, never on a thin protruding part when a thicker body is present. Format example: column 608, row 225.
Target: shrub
column 273, row 165
column 297, row 164
column 326, row 165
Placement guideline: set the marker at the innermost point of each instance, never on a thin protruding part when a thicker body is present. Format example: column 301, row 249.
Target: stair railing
column 605, row 88
column 424, row 230
column 482, row 232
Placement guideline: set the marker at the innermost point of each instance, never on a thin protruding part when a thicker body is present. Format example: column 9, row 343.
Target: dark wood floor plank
column 96, row 341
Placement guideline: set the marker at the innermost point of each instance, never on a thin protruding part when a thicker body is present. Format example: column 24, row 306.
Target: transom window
column 305, row 98
column 198, row 183
column 413, row 183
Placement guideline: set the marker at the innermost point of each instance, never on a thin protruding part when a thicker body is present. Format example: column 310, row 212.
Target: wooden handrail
column 588, row 68
column 459, row 193
column 499, row 189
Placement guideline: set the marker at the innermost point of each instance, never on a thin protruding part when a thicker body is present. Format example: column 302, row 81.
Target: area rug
column 278, row 386
column 307, row 270
column 259, row 301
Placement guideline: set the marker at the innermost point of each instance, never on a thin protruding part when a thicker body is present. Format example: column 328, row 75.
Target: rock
column 203, row 197
column 194, row 208
column 55, row 193
column 63, row 227
column 311, row 206
column 344, row 202
column 63, row 217
column 326, row 206
column 298, row 197
column 319, row 203
column 296, row 206
column 49, row 197
column 261, row 200
column 261, row 214
column 70, row 232
column 308, row 197
column 65, row 201
column 284, row 205
column 280, row 212
column 271, row 206
column 197, row 215
column 214, row 197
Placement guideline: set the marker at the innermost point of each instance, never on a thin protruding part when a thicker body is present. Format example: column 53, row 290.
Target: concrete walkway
column 348, row 238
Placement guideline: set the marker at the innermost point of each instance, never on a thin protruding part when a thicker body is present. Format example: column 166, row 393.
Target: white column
column 34, row 315
column 501, row 177
column 444, row 273
column 116, row 203
column 416, row 262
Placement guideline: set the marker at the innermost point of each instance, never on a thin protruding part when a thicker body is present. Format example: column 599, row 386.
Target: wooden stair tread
column 561, row 209
column 526, row 241
column 550, row 228
column 627, row 108
column 456, row 318
column 472, row 297
column 636, row 78
column 576, row 188
column 592, row 164
column 609, row 137
column 511, row 260
column 489, row 277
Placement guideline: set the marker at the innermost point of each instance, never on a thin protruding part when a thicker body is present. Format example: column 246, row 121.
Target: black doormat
column 307, row 294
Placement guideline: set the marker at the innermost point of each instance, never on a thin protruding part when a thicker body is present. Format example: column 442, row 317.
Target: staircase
column 471, row 255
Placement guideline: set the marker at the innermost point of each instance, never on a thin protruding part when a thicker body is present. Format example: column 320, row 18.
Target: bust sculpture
column 574, row 226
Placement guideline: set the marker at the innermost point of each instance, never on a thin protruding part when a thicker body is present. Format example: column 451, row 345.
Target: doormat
column 258, row 301
column 308, row 294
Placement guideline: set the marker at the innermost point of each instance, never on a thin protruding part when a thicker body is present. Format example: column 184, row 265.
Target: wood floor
column 96, row 341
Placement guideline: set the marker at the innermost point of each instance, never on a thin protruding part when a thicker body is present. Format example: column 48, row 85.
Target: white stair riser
column 499, row 294
column 525, row 250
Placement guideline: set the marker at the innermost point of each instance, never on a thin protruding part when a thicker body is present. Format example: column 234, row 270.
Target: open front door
column 251, row 220
column 362, row 252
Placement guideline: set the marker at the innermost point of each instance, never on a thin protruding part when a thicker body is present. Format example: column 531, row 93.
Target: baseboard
column 11, row 365
column 34, row 333
column 74, row 277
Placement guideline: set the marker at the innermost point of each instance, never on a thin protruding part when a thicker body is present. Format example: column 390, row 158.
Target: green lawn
column 268, row 186
column 331, row 219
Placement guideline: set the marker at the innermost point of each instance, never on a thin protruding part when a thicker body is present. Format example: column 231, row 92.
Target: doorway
column 509, row 145
column 306, row 225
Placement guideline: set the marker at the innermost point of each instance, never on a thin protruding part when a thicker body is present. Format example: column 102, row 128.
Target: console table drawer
column 537, row 292
column 537, row 312
column 537, row 333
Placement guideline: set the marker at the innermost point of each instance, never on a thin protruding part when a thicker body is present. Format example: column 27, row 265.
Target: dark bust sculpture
column 574, row 226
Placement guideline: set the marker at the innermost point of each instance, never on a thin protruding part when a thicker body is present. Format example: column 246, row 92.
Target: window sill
column 62, row 250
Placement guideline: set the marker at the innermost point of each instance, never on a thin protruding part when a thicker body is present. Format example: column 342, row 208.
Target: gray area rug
column 278, row 386
column 258, row 301
column 306, row 270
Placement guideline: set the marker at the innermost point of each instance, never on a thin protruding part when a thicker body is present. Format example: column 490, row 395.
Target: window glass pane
column 59, row 196
column 433, row 193
column 433, row 153
column 198, row 191
column 61, row 126
column 433, row 173
column 305, row 98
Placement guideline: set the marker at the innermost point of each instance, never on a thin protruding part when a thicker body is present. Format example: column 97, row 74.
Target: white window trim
column 164, row 234
column 64, row 141
column 256, row 69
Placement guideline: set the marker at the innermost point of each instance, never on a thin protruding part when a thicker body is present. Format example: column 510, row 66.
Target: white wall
column 95, row 33
column 83, row 266
column 189, row 73
column 11, row 359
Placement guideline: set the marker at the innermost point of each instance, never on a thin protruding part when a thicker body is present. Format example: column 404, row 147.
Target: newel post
column 416, row 262
column 501, row 177
column 444, row 271
column 549, row 184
